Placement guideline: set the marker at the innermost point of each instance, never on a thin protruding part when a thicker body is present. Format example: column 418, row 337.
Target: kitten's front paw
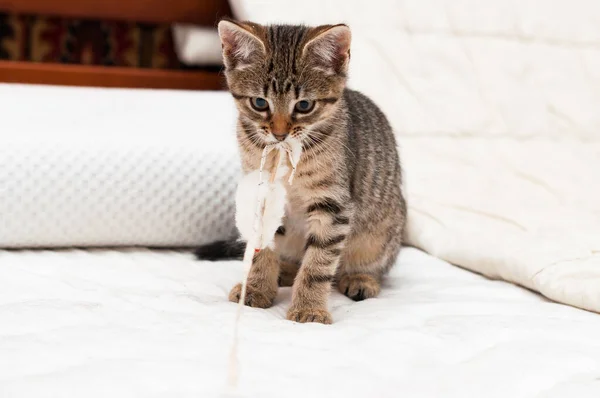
column 254, row 297
column 304, row 315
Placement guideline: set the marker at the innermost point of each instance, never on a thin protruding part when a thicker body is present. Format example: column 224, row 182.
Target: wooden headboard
column 200, row 12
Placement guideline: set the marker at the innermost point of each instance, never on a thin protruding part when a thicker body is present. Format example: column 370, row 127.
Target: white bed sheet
column 142, row 323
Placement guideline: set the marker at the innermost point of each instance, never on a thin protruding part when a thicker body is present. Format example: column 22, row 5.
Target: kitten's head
column 286, row 80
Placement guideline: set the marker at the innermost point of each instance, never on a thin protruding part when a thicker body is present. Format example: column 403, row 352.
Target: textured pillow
column 104, row 167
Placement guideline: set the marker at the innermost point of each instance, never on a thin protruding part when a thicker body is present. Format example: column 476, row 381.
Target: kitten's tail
column 221, row 250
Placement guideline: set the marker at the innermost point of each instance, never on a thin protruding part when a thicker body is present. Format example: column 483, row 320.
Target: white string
column 293, row 161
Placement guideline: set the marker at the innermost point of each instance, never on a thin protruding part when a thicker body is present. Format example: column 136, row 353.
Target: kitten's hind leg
column 289, row 245
column 287, row 273
column 366, row 260
column 359, row 287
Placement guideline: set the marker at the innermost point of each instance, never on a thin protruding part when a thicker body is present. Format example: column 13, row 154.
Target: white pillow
column 195, row 45
column 111, row 167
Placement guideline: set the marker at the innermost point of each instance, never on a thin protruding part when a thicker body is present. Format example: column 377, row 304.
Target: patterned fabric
column 89, row 42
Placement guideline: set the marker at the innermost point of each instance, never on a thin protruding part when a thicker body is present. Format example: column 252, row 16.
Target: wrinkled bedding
column 134, row 322
column 523, row 211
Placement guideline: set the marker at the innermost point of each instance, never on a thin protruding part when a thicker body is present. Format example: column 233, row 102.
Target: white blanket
column 140, row 323
column 524, row 211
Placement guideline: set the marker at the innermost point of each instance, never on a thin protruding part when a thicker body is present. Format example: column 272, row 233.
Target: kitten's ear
column 329, row 48
column 241, row 43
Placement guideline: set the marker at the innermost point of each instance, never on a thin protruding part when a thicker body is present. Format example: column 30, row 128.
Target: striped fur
column 346, row 213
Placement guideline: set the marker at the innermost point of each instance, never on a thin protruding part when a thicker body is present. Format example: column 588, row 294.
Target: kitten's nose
column 280, row 136
column 280, row 126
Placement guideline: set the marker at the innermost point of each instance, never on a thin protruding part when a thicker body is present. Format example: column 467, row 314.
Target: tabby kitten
column 345, row 213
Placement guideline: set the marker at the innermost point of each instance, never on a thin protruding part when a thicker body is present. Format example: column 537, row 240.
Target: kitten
column 345, row 214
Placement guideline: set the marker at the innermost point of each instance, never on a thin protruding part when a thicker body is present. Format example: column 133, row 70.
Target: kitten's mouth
column 282, row 139
column 289, row 140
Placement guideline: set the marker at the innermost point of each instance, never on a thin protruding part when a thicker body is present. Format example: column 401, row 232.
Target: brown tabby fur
column 346, row 213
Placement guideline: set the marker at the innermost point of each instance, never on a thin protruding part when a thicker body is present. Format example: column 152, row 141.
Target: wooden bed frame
column 201, row 12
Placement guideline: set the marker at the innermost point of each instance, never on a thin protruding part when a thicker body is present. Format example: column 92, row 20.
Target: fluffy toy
column 260, row 207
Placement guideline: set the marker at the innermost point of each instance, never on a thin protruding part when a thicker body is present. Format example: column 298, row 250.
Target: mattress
column 156, row 323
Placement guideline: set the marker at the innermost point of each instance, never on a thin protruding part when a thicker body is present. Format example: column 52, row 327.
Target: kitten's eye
column 304, row 106
column 260, row 104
